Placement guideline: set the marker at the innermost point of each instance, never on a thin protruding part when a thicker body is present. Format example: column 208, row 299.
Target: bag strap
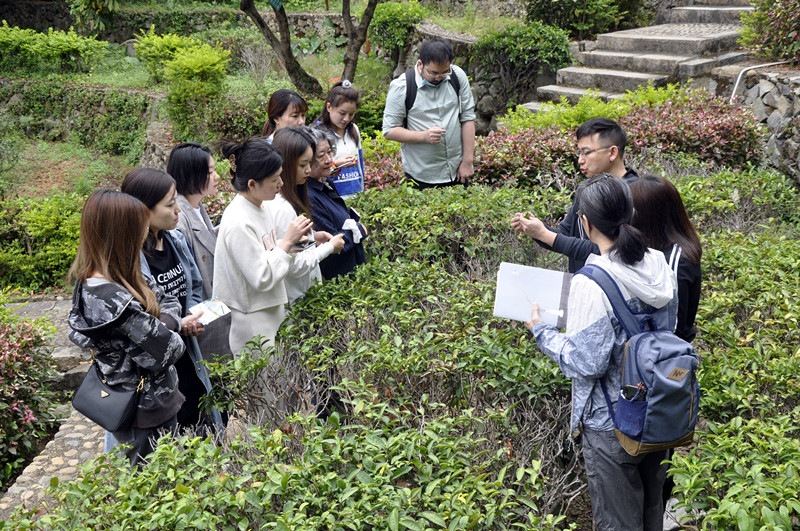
column 630, row 323
column 411, row 91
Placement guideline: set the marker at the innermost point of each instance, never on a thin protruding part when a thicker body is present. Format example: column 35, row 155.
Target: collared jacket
column 571, row 240
column 330, row 213
column 594, row 343
column 127, row 342
column 202, row 240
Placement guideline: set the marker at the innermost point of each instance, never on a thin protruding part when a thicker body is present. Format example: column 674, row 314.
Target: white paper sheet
column 519, row 286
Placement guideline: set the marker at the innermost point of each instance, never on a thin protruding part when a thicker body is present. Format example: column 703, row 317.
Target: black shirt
column 168, row 273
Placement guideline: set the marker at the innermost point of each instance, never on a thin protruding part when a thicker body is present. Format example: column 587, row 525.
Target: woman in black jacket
column 664, row 222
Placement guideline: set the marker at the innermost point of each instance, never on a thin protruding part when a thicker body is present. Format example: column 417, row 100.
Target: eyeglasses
column 585, row 152
column 437, row 74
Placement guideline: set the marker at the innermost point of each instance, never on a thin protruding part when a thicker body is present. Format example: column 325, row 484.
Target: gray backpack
column 659, row 400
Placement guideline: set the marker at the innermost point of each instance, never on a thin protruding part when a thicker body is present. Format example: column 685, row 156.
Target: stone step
column 683, row 39
column 571, row 94
column 607, row 79
column 719, row 3
column 657, row 63
column 702, row 66
column 705, row 14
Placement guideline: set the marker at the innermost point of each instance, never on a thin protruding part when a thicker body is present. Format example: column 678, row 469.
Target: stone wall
column 40, row 15
column 775, row 100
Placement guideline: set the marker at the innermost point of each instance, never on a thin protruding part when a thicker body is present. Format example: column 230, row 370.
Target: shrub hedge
column 27, row 50
column 107, row 120
column 26, row 415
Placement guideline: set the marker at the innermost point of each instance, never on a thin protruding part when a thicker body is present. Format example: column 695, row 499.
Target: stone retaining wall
column 40, row 15
column 775, row 100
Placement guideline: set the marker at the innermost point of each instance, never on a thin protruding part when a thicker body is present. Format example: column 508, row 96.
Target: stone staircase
column 688, row 42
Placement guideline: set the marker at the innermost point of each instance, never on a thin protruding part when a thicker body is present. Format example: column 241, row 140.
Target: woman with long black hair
column 625, row 490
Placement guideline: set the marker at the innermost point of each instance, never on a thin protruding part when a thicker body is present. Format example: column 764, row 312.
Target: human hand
column 465, row 170
column 529, row 224
column 338, row 243
column 534, row 316
column 190, row 326
column 434, row 135
column 346, row 162
column 321, row 236
column 297, row 228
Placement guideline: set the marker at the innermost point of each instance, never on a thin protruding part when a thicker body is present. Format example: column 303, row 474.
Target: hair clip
column 232, row 160
column 347, row 84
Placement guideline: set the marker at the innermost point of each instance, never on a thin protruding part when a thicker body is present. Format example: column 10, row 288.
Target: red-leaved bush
column 25, row 404
column 704, row 125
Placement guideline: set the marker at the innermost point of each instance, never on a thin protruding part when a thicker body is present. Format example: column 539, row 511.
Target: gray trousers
column 625, row 490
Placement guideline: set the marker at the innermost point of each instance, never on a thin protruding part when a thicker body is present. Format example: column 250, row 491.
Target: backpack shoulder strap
column 624, row 314
column 411, row 93
column 454, row 81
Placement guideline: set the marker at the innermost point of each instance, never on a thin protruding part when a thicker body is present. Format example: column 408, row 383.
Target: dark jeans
column 625, row 490
column 422, row 186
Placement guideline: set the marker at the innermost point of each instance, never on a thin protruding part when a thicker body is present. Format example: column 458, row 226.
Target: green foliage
column 582, row 19
column 744, row 474
column 156, row 50
column 109, row 120
column 196, row 79
column 38, row 240
column 56, row 51
column 386, row 471
column 393, row 25
column 773, row 28
column 93, row 15
column 519, row 53
column 26, row 416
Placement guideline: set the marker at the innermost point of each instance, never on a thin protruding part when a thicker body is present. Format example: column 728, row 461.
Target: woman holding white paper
column 167, row 260
column 195, row 172
column 625, row 490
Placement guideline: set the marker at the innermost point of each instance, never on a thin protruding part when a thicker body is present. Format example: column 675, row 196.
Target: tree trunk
column 304, row 82
column 356, row 36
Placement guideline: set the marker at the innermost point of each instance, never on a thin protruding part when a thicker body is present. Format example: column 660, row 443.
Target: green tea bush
column 26, row 416
column 38, row 240
column 744, row 474
column 387, row 471
column 520, row 53
column 196, row 78
column 156, row 50
column 773, row 29
column 462, row 230
column 28, row 50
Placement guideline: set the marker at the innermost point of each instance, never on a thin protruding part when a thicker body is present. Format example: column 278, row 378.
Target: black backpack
column 411, row 91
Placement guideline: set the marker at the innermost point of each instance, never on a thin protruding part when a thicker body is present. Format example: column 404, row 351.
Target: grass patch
column 472, row 21
column 49, row 167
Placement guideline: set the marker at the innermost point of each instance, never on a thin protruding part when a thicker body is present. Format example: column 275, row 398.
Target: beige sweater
column 247, row 276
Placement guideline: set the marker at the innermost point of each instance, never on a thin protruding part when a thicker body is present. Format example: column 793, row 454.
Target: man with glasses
column 601, row 146
column 436, row 125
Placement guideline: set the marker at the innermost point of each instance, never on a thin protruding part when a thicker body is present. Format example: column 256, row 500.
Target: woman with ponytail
column 131, row 325
column 625, row 490
column 251, row 262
